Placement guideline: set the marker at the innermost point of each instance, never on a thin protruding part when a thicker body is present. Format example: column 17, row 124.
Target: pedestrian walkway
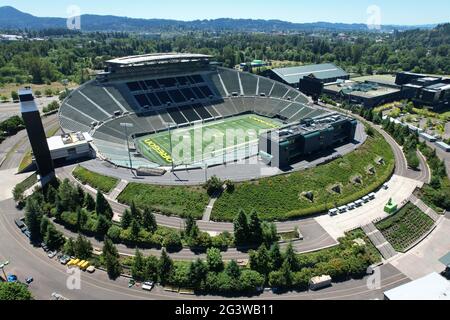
column 426, row 209
column 118, row 190
column 379, row 241
column 212, row 201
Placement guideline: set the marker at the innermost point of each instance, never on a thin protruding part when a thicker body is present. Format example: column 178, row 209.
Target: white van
column 321, row 282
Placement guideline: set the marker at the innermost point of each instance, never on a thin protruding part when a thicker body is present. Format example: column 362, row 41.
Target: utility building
column 36, row 135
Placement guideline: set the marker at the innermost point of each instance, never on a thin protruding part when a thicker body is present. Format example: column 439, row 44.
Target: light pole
column 2, row 266
column 126, row 126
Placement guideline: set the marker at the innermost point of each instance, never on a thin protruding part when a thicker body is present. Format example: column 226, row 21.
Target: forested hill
column 11, row 18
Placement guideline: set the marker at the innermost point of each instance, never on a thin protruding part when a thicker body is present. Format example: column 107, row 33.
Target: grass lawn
column 280, row 198
column 204, row 141
column 177, row 200
column 103, row 183
column 405, row 227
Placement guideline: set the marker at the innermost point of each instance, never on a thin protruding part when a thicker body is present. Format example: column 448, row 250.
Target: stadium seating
column 151, row 105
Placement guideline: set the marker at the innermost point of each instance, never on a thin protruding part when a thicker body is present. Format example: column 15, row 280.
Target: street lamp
column 126, row 126
column 2, row 266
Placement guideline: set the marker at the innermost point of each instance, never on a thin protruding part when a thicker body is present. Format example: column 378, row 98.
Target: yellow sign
column 160, row 151
column 264, row 122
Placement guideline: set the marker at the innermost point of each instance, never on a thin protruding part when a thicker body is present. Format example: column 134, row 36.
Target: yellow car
column 84, row 266
column 79, row 264
column 73, row 262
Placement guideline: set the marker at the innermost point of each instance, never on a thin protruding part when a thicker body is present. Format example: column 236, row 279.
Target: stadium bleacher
column 153, row 103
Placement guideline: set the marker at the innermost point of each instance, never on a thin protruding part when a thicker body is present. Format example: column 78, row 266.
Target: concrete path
column 400, row 188
column 379, row 241
column 118, row 190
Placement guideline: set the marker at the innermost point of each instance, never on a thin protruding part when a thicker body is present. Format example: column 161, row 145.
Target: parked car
column 52, row 254
column 44, row 247
column 148, row 286
column 29, row 280
column 11, row 278
column 333, row 212
column 27, row 234
column 64, row 259
column 385, row 186
column 90, row 269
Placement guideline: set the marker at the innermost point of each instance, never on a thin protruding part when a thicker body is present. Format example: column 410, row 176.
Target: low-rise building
column 431, row 287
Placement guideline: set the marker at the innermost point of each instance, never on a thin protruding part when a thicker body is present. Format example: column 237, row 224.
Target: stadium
column 182, row 110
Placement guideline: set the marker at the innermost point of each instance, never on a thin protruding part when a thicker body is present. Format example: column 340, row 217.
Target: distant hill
column 11, row 18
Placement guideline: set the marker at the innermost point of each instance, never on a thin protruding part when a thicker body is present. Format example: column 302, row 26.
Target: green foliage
column 102, row 207
column 214, row 260
column 177, row 200
column 279, row 198
column 110, row 256
column 12, row 125
column 213, row 185
column 165, row 267
column 103, row 183
column 14, row 292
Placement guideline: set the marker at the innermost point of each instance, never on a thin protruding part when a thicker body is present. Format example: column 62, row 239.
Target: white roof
column 76, row 139
column 155, row 58
column 431, row 287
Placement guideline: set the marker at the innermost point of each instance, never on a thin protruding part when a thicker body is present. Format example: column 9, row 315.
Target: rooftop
column 155, row 58
column 365, row 89
column 69, row 140
column 320, row 71
column 431, row 287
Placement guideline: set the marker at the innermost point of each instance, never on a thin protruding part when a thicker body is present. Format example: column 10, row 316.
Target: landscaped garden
column 405, row 227
column 177, row 200
column 97, row 181
column 313, row 191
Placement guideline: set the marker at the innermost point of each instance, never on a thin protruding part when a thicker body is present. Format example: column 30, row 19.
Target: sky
column 398, row 12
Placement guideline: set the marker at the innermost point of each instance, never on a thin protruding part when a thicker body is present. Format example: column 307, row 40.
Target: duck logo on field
column 160, row 151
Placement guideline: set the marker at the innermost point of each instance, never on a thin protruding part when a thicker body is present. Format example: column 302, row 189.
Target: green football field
column 204, row 141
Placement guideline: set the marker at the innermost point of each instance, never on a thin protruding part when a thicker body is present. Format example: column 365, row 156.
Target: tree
column 53, row 238
column 14, row 96
column 213, row 185
column 198, row 271
column 48, row 92
column 190, row 224
column 89, row 202
column 103, row 225
column 260, row 261
column 67, row 197
column 138, row 267
column 165, row 267
column 82, row 218
column 241, row 228
column 33, row 216
column 149, row 221
column 135, row 229
column 102, row 207
column 151, row 269
column 291, row 258
column 255, row 228
column 111, row 257
column 51, row 194
column 269, row 233
column 413, row 159
column 275, row 256
column 251, row 281
column 14, row 292
column 69, row 247
column 135, row 212
column 214, row 260
column 233, row 269
column 126, row 220
column 44, row 225
column 82, row 248
column 172, row 241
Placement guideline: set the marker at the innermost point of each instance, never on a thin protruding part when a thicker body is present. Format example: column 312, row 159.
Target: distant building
column 288, row 145
column 254, row 64
column 429, row 91
column 431, row 287
column 10, row 37
column 310, row 78
column 368, row 94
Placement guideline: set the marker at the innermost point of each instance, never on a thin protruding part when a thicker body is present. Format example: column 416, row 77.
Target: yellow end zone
column 264, row 122
column 160, row 151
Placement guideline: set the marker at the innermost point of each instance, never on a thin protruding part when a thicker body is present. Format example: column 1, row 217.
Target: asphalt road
column 50, row 276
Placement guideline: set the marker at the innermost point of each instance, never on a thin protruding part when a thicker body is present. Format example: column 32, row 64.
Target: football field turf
column 204, row 141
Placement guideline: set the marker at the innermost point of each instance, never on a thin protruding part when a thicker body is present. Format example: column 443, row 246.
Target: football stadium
column 182, row 110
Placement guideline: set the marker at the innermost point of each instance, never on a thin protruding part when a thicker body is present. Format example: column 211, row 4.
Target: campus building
column 288, row 145
column 368, row 94
column 309, row 79
column 428, row 91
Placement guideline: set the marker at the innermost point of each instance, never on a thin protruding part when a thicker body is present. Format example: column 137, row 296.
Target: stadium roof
column 155, row 58
column 293, row 75
column 431, row 287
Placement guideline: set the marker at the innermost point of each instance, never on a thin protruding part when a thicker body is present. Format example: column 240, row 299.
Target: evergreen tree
column 198, row 271
column 233, row 270
column 214, row 260
column 260, row 261
column 126, row 220
column 82, row 248
column 138, row 268
column 102, row 207
column 135, row 229
column 290, row 258
column 103, row 225
column 51, row 195
column 255, row 228
column 149, row 221
column 276, row 258
column 151, row 269
column 111, row 257
column 33, row 216
column 89, row 202
column 241, row 228
column 53, row 238
column 135, row 212
column 165, row 267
